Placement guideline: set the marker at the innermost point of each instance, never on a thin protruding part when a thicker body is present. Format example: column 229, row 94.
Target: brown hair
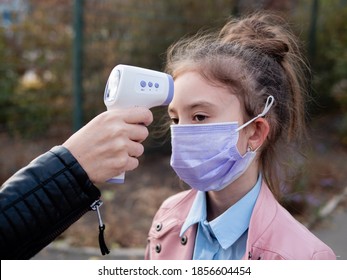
column 255, row 56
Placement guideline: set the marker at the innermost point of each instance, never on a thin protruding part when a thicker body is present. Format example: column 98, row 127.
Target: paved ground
column 63, row 252
column 331, row 228
column 333, row 231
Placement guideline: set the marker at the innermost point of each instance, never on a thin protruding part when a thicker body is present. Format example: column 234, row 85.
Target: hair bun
column 265, row 33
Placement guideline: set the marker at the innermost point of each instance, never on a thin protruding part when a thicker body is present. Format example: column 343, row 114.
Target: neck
column 219, row 201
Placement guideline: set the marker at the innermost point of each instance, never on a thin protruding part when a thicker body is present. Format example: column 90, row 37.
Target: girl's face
column 196, row 101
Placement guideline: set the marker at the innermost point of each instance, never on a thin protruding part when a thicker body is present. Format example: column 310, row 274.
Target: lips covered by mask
column 205, row 156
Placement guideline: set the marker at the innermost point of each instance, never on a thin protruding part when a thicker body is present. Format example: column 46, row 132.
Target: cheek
column 242, row 142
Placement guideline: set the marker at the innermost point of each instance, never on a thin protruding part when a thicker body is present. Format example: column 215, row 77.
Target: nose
column 184, row 121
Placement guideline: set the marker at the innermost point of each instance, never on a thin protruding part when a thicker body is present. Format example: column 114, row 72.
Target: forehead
column 191, row 90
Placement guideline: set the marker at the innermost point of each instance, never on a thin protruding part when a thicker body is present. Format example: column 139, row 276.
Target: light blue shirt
column 225, row 237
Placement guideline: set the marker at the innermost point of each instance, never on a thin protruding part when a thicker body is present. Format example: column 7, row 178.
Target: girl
column 237, row 111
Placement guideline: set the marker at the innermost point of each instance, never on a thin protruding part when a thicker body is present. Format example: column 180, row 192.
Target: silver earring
column 249, row 149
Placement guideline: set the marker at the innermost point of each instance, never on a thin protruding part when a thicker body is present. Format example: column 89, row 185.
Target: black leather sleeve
column 41, row 201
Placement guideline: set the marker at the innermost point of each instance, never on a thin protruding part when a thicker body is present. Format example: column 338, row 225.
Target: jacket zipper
column 30, row 250
column 95, row 207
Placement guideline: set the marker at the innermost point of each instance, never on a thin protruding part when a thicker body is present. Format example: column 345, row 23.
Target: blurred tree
column 131, row 32
column 331, row 66
column 330, row 63
column 248, row 6
column 78, row 23
column 312, row 32
column 8, row 78
column 116, row 31
column 138, row 33
column 39, row 49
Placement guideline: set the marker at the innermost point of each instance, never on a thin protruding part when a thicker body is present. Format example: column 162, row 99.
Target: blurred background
column 55, row 58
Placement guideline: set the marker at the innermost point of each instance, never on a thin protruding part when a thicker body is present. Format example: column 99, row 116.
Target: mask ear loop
column 269, row 101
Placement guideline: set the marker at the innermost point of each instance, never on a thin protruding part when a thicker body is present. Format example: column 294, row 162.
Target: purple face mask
column 205, row 156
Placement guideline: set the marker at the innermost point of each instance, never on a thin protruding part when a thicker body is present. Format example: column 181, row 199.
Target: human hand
column 111, row 142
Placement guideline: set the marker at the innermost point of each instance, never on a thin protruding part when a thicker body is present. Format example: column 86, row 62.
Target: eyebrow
column 202, row 104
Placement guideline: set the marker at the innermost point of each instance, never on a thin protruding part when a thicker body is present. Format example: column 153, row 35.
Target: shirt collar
column 234, row 221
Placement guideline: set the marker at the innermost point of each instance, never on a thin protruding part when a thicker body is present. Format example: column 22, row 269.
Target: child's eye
column 199, row 118
column 174, row 120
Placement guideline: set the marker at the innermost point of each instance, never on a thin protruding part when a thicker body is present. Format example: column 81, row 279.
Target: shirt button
column 159, row 226
column 158, row 248
column 184, row 240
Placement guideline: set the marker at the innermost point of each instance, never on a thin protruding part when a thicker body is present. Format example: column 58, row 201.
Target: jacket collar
column 230, row 221
column 261, row 219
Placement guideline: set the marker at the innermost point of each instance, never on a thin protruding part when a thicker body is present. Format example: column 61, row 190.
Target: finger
column 131, row 164
column 138, row 115
column 135, row 149
column 137, row 132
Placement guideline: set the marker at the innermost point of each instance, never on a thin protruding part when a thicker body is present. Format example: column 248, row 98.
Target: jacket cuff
column 76, row 169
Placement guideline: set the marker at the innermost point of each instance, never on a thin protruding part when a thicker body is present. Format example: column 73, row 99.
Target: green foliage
column 331, row 61
column 29, row 117
column 327, row 51
column 132, row 32
column 115, row 31
column 8, row 78
column 137, row 33
column 36, row 86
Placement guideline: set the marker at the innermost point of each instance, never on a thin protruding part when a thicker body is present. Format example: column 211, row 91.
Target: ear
column 259, row 133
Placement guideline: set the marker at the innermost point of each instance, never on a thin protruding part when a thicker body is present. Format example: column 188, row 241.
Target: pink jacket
column 273, row 232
